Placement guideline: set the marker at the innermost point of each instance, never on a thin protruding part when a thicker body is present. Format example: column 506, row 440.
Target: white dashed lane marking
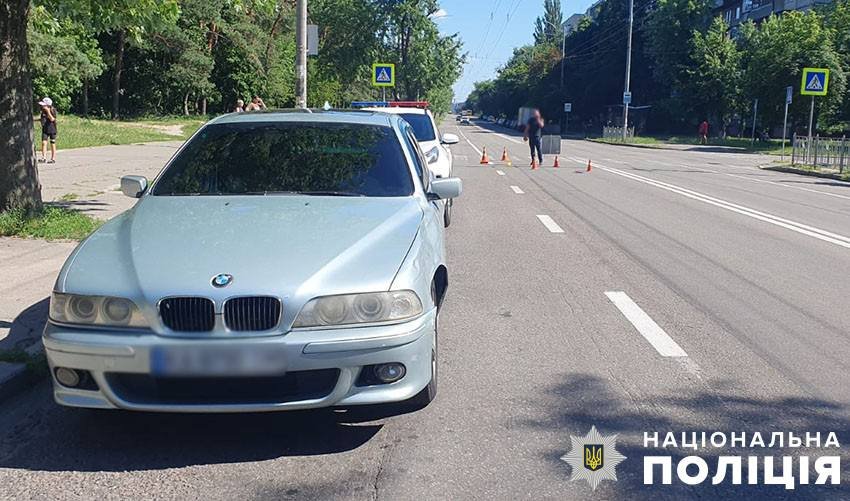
column 645, row 325
column 517, row 190
column 550, row 225
column 499, row 172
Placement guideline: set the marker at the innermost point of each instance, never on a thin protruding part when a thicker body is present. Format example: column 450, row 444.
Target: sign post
column 788, row 92
column 815, row 83
column 568, row 108
column 755, row 114
column 383, row 76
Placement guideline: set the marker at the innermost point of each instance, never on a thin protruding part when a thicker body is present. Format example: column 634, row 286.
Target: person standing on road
column 534, row 135
column 703, row 132
column 48, row 130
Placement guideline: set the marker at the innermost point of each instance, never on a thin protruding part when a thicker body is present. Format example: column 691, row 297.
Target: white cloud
column 439, row 14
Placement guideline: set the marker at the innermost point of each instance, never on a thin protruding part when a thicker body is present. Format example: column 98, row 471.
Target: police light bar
column 369, row 104
column 409, row 104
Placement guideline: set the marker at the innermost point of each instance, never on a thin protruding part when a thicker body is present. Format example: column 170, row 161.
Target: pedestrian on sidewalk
column 48, row 130
column 534, row 135
column 240, row 106
column 703, row 132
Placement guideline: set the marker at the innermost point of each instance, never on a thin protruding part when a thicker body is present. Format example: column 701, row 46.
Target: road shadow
column 818, row 183
column 54, row 438
column 587, row 400
column 83, row 205
column 25, row 330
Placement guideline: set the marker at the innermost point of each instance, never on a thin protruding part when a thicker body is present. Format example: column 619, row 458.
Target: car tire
column 447, row 214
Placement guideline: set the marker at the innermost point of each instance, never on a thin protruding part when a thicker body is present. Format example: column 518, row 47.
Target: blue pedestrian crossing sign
column 383, row 75
column 815, row 82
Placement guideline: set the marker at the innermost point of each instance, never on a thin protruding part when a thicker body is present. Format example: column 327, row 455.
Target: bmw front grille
column 241, row 314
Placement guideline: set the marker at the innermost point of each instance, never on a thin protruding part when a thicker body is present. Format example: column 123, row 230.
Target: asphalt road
column 742, row 270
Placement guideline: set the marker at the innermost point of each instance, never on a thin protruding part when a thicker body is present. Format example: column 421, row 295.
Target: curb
column 631, row 145
column 804, row 172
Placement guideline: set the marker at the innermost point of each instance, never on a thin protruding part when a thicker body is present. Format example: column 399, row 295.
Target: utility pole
column 563, row 57
column 301, row 54
column 628, row 69
column 755, row 114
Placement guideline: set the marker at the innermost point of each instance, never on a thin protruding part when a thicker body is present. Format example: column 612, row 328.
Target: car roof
column 308, row 116
column 396, row 110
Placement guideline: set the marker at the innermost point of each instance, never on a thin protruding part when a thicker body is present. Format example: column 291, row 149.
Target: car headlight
column 95, row 310
column 373, row 307
column 433, row 154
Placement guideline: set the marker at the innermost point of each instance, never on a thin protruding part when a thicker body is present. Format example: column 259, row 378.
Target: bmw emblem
column 222, row 280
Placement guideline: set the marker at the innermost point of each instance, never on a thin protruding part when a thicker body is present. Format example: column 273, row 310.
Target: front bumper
column 109, row 356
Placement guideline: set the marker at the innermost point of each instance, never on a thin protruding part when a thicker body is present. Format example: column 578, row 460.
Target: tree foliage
column 686, row 66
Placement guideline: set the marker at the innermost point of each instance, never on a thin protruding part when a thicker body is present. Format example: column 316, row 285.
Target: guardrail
column 617, row 132
column 828, row 153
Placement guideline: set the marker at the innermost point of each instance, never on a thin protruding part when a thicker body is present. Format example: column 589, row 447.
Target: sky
column 490, row 29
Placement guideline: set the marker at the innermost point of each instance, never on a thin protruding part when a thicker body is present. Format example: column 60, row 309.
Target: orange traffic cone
column 534, row 164
column 505, row 155
column 589, row 167
column 485, row 160
column 557, row 162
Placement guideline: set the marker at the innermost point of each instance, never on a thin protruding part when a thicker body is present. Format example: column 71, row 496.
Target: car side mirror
column 450, row 139
column 134, row 186
column 445, row 188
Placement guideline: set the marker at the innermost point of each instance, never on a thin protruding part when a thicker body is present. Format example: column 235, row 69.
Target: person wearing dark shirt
column 534, row 135
column 48, row 130
column 703, row 132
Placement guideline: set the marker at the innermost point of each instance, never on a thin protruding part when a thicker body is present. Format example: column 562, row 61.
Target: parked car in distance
column 281, row 260
column 433, row 143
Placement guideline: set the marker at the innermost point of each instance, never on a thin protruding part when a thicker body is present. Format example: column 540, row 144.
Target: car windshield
column 262, row 158
column 422, row 127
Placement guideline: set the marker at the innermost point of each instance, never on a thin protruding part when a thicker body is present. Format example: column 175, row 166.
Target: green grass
column 51, row 223
column 78, row 132
column 771, row 147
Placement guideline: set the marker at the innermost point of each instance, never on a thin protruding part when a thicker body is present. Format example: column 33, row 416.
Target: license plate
column 215, row 361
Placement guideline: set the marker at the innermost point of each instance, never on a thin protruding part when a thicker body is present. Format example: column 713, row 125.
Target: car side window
column 418, row 160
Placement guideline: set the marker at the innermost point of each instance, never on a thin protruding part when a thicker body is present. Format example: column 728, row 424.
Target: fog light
column 390, row 373
column 67, row 377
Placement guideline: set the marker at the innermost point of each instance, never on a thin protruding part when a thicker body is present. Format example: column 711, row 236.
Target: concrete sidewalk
column 86, row 179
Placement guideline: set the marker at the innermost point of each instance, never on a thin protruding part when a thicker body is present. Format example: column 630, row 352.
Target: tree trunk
column 203, row 106
column 19, row 186
column 116, row 77
column 85, row 98
column 186, row 104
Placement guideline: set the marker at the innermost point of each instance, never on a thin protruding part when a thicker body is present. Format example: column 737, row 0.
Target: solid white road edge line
column 645, row 325
column 499, row 172
column 470, row 142
column 801, row 228
column 748, row 178
column 499, row 134
column 550, row 225
column 517, row 190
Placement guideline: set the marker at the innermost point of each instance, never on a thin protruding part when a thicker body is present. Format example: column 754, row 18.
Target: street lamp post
column 628, row 71
column 563, row 47
column 301, row 54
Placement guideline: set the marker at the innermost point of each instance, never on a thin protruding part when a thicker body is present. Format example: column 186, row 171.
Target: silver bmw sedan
column 281, row 260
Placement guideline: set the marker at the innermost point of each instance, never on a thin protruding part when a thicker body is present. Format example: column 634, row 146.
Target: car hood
column 292, row 247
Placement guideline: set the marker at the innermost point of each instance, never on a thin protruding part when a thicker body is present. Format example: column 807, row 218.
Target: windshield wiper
column 332, row 193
